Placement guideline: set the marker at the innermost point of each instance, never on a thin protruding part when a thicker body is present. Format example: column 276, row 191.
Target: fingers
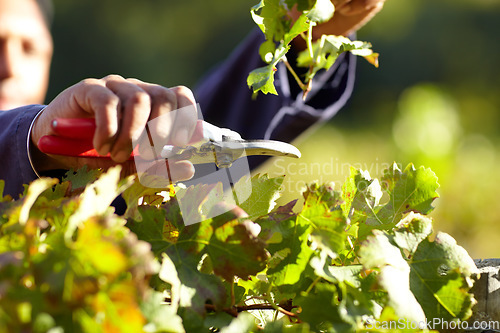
column 170, row 170
column 173, row 113
column 132, row 116
column 357, row 7
column 186, row 117
column 124, row 107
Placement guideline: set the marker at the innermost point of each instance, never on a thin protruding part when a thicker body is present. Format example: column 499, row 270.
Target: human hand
column 121, row 108
column 350, row 15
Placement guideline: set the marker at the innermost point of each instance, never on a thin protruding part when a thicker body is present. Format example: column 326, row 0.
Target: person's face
column 25, row 54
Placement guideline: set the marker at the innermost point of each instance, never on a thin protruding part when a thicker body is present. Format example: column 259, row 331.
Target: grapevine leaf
column 321, row 211
column 361, row 195
column 394, row 275
column 317, row 221
column 321, row 12
column 302, row 5
column 409, row 190
column 100, row 251
column 290, row 256
column 154, row 229
column 197, row 201
column 412, row 230
column 160, row 317
column 236, row 250
column 3, row 198
column 79, row 180
column 270, row 16
column 34, row 190
column 196, row 288
column 244, row 323
column 158, row 227
column 265, row 192
column 262, row 79
column 328, row 48
column 147, row 187
column 322, row 197
column 276, row 30
column 299, row 26
column 97, row 198
column 336, row 274
column 322, row 310
column 441, row 277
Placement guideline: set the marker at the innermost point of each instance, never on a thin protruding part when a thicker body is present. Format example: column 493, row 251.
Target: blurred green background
column 434, row 101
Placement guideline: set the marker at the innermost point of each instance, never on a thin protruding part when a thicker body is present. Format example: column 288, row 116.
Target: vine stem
column 233, row 301
column 294, row 74
column 311, row 54
column 241, row 308
column 313, row 284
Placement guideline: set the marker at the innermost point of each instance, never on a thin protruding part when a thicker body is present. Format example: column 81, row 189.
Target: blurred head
column 25, row 53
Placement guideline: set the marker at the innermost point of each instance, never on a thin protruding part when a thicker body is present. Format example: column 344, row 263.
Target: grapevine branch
column 234, row 310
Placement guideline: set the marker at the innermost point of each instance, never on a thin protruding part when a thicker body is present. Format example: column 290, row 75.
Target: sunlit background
column 434, row 101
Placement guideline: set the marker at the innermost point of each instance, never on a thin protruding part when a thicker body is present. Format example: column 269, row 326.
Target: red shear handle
column 74, row 138
column 82, row 128
column 57, row 145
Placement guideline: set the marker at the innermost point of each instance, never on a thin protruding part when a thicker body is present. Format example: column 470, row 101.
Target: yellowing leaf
column 104, row 254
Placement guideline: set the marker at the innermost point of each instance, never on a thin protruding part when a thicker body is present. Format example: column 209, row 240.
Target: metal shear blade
column 224, row 153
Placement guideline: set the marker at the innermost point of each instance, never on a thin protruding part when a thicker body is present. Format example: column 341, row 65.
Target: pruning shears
column 208, row 144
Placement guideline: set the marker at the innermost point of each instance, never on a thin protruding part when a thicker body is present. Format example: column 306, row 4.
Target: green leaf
column 79, row 180
column 302, row 5
column 236, row 250
column 160, row 317
column 302, row 24
column 441, row 277
column 322, row 309
column 264, row 193
column 291, row 254
column 271, row 17
column 147, row 187
column 328, row 48
column 2, row 188
column 244, row 323
column 196, row 288
column 322, row 212
column 336, row 274
column 262, row 79
column 409, row 190
column 394, row 275
column 361, row 195
column 412, row 230
column 290, row 257
column 97, row 198
column 34, row 190
column 321, row 12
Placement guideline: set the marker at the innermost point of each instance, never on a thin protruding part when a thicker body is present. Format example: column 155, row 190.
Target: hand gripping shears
column 209, row 144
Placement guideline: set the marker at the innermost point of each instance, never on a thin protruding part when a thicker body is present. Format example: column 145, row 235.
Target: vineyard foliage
column 281, row 31
column 353, row 258
column 335, row 261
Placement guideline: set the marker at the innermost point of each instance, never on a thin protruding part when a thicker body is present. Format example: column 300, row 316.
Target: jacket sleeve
column 15, row 168
column 226, row 100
